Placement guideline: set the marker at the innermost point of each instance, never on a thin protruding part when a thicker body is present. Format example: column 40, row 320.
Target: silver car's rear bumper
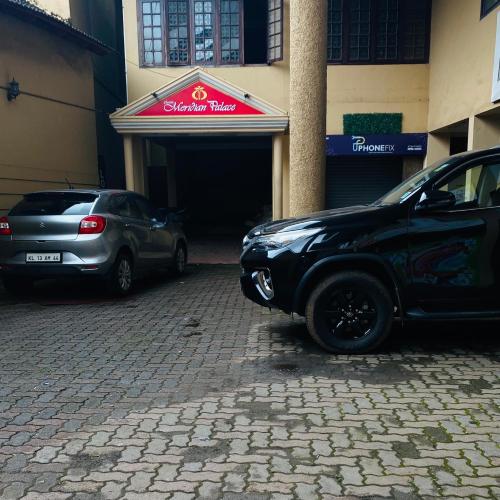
column 87, row 254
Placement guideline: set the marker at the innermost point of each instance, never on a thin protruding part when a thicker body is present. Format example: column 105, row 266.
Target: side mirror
column 435, row 200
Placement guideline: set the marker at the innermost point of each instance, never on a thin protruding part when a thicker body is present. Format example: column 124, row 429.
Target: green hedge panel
column 373, row 123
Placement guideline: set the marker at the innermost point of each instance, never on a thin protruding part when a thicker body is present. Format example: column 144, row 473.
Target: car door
column 161, row 238
column 454, row 253
column 135, row 230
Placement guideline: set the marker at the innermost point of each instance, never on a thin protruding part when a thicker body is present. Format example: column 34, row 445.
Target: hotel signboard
column 199, row 99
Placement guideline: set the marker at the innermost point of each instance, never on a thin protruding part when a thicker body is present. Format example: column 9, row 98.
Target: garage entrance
column 220, row 186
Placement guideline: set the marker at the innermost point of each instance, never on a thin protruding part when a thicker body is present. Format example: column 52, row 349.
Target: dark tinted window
column 124, row 206
column 55, row 204
column 147, row 210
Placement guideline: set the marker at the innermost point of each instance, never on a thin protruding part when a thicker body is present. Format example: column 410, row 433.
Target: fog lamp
column 264, row 283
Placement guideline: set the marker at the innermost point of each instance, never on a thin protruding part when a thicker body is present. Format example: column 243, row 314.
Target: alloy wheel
column 181, row 260
column 124, row 275
column 350, row 314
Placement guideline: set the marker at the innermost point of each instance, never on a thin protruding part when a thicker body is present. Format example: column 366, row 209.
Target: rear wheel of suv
column 121, row 276
column 349, row 313
column 17, row 285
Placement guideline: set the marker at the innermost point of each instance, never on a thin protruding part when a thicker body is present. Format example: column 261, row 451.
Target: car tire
column 121, row 277
column 180, row 260
column 349, row 313
column 17, row 285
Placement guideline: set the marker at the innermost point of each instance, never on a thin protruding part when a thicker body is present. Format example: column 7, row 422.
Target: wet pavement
column 187, row 390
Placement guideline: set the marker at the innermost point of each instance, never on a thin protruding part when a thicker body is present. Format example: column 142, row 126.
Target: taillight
column 5, row 229
column 93, row 224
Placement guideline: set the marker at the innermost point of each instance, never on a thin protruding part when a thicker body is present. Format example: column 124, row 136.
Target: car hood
column 318, row 219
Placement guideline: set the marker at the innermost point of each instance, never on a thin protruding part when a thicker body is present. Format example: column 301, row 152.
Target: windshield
column 55, row 203
column 402, row 192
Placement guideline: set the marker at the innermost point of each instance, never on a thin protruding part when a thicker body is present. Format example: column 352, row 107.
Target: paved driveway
column 187, row 390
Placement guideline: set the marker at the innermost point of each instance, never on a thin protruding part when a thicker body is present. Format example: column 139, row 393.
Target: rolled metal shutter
column 360, row 180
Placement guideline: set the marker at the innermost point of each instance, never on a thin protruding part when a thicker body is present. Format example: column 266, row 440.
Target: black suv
column 429, row 249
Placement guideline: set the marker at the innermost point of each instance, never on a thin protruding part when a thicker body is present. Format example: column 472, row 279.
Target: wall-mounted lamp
column 13, row 90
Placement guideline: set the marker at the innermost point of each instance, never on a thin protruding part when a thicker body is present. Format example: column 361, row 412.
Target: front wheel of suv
column 349, row 313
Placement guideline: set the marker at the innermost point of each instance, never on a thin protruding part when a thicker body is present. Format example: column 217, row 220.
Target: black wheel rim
column 349, row 313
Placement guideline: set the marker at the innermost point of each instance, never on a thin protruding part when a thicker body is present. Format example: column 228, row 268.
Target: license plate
column 43, row 257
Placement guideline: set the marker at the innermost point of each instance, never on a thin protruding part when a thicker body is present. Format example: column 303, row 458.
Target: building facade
column 345, row 99
column 47, row 120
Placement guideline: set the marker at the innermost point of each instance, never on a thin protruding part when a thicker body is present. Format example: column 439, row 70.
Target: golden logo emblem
column 199, row 94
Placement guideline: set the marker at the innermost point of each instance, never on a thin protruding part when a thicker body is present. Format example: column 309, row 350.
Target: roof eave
column 40, row 18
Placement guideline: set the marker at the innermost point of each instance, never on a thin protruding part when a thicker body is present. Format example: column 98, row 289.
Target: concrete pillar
column 412, row 165
column 286, row 176
column 139, row 174
column 128, row 149
column 438, row 148
column 484, row 132
column 308, row 30
column 277, row 176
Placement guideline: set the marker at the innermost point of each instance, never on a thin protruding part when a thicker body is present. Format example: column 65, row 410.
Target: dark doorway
column 256, row 31
column 223, row 185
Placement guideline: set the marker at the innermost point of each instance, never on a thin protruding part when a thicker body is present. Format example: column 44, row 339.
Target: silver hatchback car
column 116, row 235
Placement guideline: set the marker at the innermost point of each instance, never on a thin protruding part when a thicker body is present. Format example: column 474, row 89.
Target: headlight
column 285, row 238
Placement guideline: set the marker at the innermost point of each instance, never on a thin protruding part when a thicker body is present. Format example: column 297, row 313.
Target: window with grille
column 414, row 32
column 203, row 25
column 359, row 30
column 378, row 31
column 178, row 36
column 335, row 15
column 209, row 32
column 230, row 31
column 152, row 33
column 386, row 46
column 275, row 30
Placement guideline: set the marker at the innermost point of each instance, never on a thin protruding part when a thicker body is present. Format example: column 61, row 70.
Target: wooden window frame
column 402, row 12
column 191, row 46
column 485, row 11
column 140, row 25
column 281, row 8
column 167, row 38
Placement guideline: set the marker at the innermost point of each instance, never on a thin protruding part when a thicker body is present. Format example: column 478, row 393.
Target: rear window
column 55, row 204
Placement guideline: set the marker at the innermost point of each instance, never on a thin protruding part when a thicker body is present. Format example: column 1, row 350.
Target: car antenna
column 70, row 186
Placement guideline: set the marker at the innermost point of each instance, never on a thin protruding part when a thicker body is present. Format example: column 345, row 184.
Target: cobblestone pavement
column 186, row 390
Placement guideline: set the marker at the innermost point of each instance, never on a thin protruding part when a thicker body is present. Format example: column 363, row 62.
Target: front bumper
column 282, row 267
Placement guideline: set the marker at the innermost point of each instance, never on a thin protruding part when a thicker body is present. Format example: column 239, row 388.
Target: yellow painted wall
column 351, row 89
column 58, row 7
column 461, row 61
column 379, row 89
column 43, row 142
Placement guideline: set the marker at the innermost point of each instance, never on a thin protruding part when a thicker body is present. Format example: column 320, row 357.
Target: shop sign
column 362, row 145
column 199, row 99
